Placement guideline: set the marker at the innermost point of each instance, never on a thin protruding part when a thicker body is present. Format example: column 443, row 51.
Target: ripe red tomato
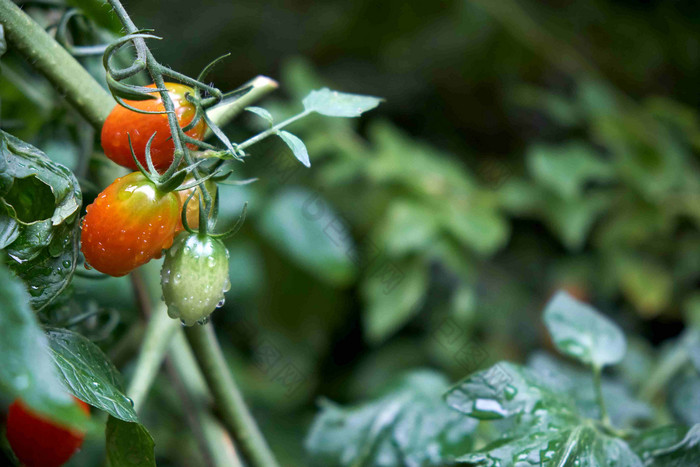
column 129, row 224
column 38, row 442
column 122, row 122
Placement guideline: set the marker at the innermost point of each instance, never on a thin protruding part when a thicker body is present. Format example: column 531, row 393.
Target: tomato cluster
column 133, row 220
column 38, row 442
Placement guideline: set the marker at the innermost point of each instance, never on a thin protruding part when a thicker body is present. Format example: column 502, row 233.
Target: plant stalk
column 215, row 442
column 229, row 399
column 161, row 328
column 598, row 385
column 95, row 104
column 53, row 61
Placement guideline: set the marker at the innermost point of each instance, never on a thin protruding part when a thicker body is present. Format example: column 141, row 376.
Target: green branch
column 159, row 333
column 229, row 399
column 54, row 62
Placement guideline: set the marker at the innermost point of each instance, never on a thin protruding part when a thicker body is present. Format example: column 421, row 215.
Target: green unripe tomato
column 194, row 277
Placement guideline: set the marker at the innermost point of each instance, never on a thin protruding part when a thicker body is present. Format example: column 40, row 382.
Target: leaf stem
column 598, row 385
column 229, row 399
column 272, row 131
column 53, row 61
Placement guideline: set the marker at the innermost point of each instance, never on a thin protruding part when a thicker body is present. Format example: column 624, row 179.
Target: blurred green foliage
column 522, row 148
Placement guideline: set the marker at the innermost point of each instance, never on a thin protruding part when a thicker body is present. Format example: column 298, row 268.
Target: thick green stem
column 229, row 399
column 54, row 62
column 215, row 442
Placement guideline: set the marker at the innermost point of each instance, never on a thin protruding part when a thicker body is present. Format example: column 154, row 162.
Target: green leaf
column 9, row 230
column 623, row 408
column 655, row 439
column 567, row 168
column 262, row 113
column 297, row 146
column 573, row 220
column 682, row 454
column 39, row 215
column 393, row 292
column 545, row 426
column 506, row 390
column 684, row 398
column 407, row 227
column 339, row 104
column 128, row 444
column 645, row 282
column 89, row 374
column 408, row 426
column 50, row 269
column 581, row 446
column 479, row 226
column 27, row 370
column 581, row 332
column 305, row 227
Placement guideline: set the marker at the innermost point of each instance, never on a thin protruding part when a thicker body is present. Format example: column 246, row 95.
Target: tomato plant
column 124, row 125
column 404, row 275
column 38, row 442
column 129, row 224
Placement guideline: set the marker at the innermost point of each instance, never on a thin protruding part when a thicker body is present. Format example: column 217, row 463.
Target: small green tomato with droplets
column 194, row 277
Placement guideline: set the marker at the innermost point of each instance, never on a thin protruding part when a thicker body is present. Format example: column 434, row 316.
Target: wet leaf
column 546, row 427
column 408, row 426
column 581, row 332
column 682, row 454
column 39, row 215
column 129, row 444
column 89, row 374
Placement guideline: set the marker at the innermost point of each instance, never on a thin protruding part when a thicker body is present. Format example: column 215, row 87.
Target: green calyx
column 194, row 277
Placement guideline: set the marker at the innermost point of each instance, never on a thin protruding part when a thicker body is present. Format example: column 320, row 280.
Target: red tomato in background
column 129, row 224
column 122, row 122
column 38, row 442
